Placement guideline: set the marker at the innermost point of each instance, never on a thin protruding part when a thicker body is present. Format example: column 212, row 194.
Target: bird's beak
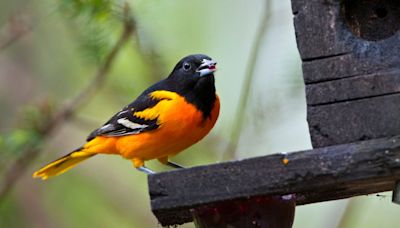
column 207, row 67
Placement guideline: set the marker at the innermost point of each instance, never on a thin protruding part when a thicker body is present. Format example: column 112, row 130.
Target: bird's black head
column 193, row 67
column 193, row 78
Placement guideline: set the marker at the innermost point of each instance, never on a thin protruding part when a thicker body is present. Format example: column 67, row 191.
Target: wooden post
column 351, row 68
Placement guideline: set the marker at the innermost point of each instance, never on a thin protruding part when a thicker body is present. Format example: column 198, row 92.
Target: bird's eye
column 187, row 66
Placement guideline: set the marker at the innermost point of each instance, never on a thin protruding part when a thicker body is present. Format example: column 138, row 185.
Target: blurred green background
column 62, row 43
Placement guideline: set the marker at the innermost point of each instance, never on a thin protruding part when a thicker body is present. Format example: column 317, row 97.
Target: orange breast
column 181, row 125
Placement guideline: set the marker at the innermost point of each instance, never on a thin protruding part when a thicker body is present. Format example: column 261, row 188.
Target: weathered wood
column 350, row 51
column 323, row 30
column 315, row 175
column 347, row 65
column 365, row 86
column 316, row 25
column 372, row 19
column 357, row 120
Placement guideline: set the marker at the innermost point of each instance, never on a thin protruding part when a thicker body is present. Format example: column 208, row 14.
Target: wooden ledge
column 317, row 175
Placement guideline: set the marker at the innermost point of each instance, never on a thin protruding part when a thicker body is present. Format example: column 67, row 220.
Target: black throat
column 201, row 93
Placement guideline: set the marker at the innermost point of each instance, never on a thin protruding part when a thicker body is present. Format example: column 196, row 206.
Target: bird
column 168, row 117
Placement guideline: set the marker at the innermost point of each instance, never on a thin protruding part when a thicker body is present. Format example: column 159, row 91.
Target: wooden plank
column 316, row 27
column 314, row 175
column 351, row 121
column 349, row 65
column 354, row 120
column 380, row 83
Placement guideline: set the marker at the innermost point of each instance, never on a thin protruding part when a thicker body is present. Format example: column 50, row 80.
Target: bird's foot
column 145, row 170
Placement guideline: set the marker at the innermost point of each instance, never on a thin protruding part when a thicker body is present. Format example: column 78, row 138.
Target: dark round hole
column 371, row 19
column 381, row 12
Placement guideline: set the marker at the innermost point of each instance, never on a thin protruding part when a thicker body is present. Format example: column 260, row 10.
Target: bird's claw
column 146, row 170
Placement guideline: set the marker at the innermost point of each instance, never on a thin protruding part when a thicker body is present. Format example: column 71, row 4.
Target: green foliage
column 15, row 140
column 24, row 136
column 35, row 117
column 90, row 9
column 96, row 24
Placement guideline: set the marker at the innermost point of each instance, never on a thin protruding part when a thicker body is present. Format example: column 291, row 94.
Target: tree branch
column 16, row 169
column 16, row 27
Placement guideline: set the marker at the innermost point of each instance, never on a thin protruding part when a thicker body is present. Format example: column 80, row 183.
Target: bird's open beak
column 207, row 67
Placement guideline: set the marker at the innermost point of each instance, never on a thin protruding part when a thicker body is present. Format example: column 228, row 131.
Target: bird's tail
column 63, row 164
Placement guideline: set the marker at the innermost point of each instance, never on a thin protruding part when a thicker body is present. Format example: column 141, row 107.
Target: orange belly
column 179, row 129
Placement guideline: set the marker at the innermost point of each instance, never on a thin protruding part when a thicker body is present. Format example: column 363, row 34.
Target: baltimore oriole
column 165, row 119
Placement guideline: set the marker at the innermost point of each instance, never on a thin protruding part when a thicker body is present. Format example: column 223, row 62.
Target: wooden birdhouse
column 351, row 67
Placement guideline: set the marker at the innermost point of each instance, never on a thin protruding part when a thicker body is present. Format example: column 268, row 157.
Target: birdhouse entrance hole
column 372, row 19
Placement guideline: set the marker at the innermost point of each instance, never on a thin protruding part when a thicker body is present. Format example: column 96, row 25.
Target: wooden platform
column 317, row 175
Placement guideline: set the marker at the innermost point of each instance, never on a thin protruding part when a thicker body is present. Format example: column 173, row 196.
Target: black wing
column 125, row 123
